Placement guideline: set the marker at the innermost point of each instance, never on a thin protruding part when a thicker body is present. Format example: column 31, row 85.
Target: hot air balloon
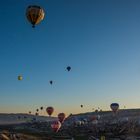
column 20, row 77
column 55, row 126
column 61, row 117
column 41, row 108
column 36, row 114
column 37, row 110
column 96, row 111
column 30, row 112
column 51, row 82
column 50, row 110
column 101, row 110
column 68, row 68
column 81, row 106
column 35, row 14
column 114, row 107
column 93, row 118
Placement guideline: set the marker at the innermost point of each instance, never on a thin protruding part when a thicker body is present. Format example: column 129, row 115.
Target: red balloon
column 93, row 118
column 61, row 117
column 55, row 126
column 50, row 110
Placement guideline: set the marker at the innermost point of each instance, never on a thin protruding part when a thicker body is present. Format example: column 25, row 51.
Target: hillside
column 22, row 118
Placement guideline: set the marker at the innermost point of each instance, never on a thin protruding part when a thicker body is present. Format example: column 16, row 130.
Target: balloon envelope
column 20, row 77
column 93, row 118
column 51, row 82
column 41, row 108
column 36, row 114
column 35, row 14
column 50, row 110
column 61, row 117
column 55, row 126
column 68, row 68
column 114, row 107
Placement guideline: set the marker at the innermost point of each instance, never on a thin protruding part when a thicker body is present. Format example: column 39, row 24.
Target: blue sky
column 99, row 39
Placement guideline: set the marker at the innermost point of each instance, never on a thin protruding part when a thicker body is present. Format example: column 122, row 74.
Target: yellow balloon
column 20, row 77
column 35, row 14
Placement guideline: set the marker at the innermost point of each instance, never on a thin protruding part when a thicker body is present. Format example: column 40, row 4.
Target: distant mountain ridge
column 12, row 118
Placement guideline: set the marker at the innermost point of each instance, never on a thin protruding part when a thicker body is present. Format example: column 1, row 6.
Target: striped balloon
column 114, row 107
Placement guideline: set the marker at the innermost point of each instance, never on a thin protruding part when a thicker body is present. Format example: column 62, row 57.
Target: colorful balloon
column 35, row 14
column 20, row 77
column 55, row 126
column 50, row 110
column 61, row 117
column 93, row 117
column 114, row 107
